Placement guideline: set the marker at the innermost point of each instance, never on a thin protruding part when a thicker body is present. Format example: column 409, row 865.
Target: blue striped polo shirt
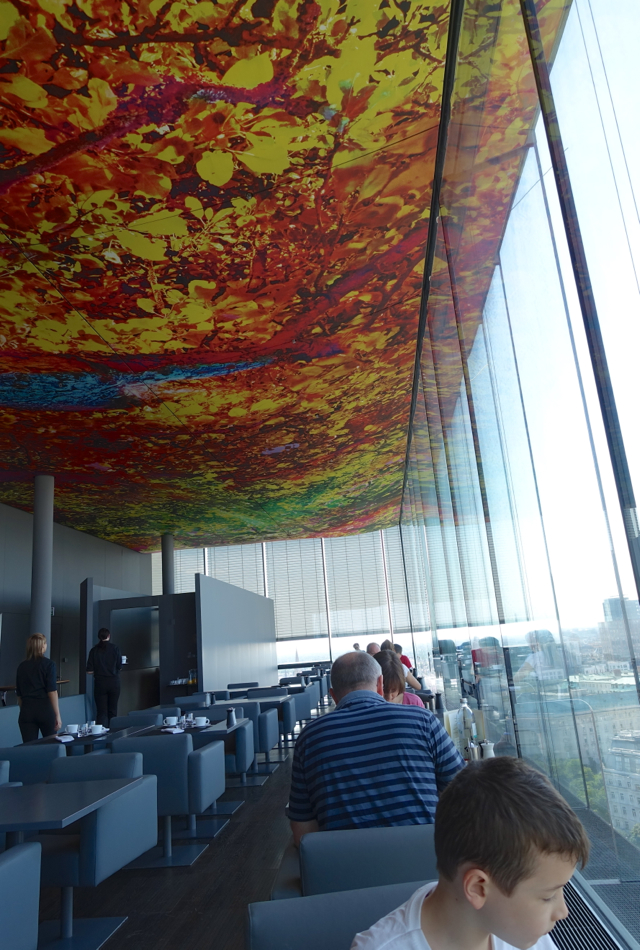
column 371, row 763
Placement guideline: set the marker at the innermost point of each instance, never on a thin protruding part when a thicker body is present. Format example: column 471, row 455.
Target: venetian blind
column 356, row 586
column 295, row 581
column 238, row 564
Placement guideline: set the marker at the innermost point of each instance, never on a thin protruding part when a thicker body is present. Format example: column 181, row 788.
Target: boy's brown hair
column 499, row 814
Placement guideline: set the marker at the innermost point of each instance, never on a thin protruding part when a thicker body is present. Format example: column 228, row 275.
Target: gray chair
column 4, row 772
column 302, row 696
column 90, row 768
column 195, row 701
column 20, row 896
column 243, row 685
column 189, row 782
column 239, row 762
column 323, row 920
column 265, row 691
column 222, row 694
column 366, row 857
column 109, row 838
column 353, row 859
column 163, row 710
column 136, row 719
column 288, row 716
column 30, row 764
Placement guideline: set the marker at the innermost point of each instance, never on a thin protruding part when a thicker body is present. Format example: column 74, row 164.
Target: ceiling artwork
column 213, row 219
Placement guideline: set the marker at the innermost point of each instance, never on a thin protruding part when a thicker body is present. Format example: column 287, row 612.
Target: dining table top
column 48, row 806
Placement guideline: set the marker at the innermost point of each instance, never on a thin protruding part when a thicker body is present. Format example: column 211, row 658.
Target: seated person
column 506, row 844
column 393, row 680
column 403, row 657
column 410, row 678
column 368, row 764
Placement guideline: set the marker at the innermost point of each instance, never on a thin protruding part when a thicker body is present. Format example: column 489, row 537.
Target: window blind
column 356, row 586
column 398, row 604
column 187, row 565
column 295, row 581
column 237, row 564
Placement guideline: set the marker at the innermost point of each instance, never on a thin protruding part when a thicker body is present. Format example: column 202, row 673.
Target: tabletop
column 43, row 807
column 106, row 737
column 220, row 728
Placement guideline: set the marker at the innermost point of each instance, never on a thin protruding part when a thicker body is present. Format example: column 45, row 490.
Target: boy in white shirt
column 506, row 844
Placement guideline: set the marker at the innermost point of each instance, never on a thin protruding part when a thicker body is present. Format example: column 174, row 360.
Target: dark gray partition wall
column 236, row 635
column 224, row 632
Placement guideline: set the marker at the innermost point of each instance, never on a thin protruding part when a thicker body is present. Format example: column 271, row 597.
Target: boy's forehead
column 551, row 870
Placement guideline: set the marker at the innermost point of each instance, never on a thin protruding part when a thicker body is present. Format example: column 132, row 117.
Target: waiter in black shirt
column 105, row 662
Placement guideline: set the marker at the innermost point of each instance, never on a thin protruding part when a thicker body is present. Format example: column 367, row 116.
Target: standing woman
column 37, row 692
column 105, row 662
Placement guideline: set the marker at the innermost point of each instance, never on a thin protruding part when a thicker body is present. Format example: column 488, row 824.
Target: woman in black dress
column 37, row 692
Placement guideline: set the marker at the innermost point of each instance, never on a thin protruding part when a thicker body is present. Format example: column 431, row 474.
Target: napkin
column 64, row 738
column 173, row 729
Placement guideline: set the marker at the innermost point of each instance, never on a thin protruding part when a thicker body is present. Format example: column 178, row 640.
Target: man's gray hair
column 354, row 671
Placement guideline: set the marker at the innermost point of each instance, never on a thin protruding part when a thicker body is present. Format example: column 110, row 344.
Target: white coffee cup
column 92, row 723
column 73, row 729
column 202, row 721
column 96, row 729
column 171, row 721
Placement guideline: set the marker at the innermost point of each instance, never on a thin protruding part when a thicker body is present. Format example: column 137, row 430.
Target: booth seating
column 323, row 920
column 188, row 783
column 292, row 681
column 20, row 897
column 222, row 694
column 243, row 685
column 136, row 719
column 30, row 764
column 352, row 859
column 109, row 838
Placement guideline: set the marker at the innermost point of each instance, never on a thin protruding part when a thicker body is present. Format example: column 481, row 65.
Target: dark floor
column 204, row 906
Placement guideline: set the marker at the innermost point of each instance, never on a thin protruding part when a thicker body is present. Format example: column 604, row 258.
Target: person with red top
column 403, row 657
column 393, row 680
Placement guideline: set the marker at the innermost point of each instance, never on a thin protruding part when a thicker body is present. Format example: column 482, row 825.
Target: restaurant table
column 86, row 743
column 31, row 808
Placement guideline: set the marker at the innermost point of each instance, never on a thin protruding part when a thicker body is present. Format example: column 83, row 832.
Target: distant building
column 622, row 780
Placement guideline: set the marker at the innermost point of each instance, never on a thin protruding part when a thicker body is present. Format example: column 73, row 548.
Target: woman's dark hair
column 386, row 645
column 393, row 678
column 500, row 814
column 103, row 635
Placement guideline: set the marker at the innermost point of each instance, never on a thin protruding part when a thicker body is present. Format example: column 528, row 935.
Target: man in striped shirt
column 369, row 763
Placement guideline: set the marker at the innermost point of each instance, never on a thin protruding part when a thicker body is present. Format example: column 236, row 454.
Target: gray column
column 42, row 557
column 168, row 565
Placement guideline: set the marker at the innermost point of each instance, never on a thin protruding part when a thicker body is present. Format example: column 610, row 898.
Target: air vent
column 581, row 930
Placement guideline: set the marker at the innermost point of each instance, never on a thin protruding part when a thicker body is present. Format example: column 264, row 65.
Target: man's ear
column 333, row 695
column 380, row 685
column 475, row 884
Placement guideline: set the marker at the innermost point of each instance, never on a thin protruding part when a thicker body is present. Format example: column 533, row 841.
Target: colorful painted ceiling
column 213, row 218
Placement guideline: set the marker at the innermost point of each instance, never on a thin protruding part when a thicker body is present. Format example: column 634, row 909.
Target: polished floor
column 204, row 906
